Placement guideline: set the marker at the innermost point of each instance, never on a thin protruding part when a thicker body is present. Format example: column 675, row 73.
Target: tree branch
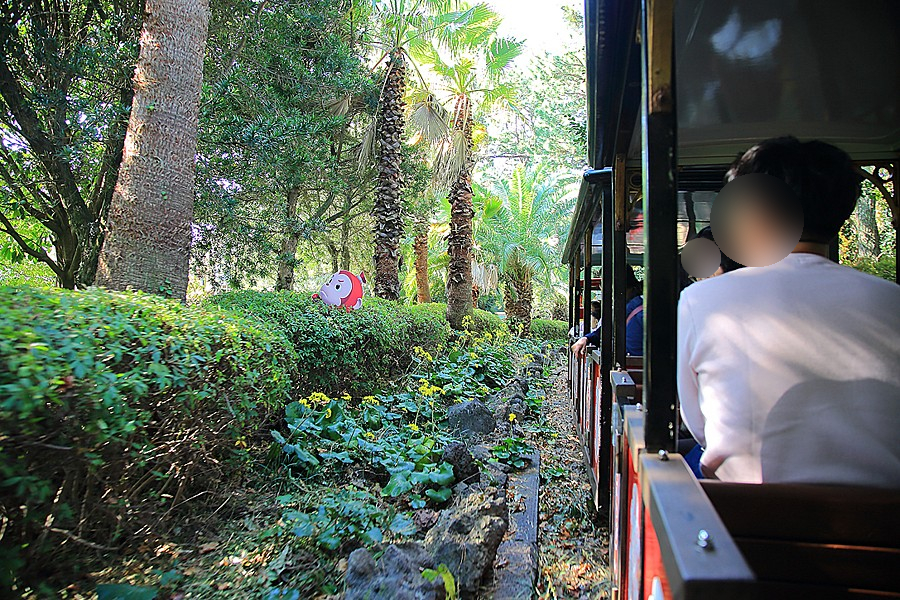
column 7, row 228
column 30, row 128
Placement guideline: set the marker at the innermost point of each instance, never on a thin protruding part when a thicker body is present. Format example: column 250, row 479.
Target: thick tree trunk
column 420, row 248
column 149, row 239
column 868, row 238
column 459, row 242
column 388, row 190
column 288, row 256
column 518, row 296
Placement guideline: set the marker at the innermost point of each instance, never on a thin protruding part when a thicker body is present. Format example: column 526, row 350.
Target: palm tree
column 404, row 24
column 472, row 74
column 148, row 244
column 523, row 239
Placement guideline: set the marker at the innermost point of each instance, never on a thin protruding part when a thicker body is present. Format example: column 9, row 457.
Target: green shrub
column 429, row 325
column 338, row 350
column 110, row 398
column 548, row 329
column 487, row 322
column 482, row 320
column 885, row 267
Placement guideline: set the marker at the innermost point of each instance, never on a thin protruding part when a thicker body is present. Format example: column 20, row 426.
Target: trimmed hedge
column 107, row 399
column 488, row 322
column 483, row 321
column 548, row 329
column 344, row 351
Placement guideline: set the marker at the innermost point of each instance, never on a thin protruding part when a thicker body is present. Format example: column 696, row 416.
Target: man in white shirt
column 791, row 372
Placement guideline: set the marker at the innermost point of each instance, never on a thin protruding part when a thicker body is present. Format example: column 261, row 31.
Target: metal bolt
column 663, row 455
column 703, row 540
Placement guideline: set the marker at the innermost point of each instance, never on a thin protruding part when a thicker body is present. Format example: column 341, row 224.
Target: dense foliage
column 549, row 329
column 339, row 351
column 112, row 399
column 65, row 95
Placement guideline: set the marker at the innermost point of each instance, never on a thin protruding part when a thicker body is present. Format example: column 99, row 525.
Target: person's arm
column 594, row 338
column 688, row 384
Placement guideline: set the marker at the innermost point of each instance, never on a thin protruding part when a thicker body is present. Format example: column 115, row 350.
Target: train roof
column 747, row 70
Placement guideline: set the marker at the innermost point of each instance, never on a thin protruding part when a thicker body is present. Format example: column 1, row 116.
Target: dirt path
column 572, row 540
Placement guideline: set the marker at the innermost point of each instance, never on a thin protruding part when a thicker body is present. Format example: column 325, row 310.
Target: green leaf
column 402, row 524
column 443, row 475
column 397, row 484
column 440, row 495
column 124, row 591
column 374, row 535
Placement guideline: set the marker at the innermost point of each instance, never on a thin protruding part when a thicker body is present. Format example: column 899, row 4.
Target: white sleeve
column 688, row 387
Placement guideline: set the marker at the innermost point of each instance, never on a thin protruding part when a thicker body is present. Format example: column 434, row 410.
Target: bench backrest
column 819, row 540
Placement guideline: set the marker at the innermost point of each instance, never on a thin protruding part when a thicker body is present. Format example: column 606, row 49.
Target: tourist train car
column 676, row 90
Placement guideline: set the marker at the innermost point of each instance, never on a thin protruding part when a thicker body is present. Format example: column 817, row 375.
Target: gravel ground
column 573, row 540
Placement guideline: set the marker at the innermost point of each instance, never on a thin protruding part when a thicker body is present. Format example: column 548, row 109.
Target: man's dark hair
column 596, row 309
column 728, row 265
column 821, row 175
column 631, row 280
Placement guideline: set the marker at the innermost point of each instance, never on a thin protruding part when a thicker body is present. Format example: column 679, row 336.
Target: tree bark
column 386, row 212
column 345, row 233
column 459, row 242
column 517, row 297
column 869, row 240
column 420, row 248
column 149, row 239
column 288, row 256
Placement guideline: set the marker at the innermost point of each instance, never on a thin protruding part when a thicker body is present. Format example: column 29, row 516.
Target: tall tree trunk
column 388, row 190
column 345, row 238
column 420, row 248
column 459, row 242
column 149, row 239
column 518, row 296
column 288, row 256
column 869, row 240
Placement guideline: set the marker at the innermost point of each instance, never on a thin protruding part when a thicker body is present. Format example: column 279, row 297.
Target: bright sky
column 539, row 22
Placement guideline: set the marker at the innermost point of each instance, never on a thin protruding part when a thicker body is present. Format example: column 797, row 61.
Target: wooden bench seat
column 814, row 540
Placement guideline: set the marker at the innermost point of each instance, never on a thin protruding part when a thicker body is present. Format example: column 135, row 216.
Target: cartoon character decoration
column 343, row 289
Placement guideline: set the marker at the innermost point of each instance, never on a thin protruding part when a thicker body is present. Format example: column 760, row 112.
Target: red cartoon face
column 337, row 289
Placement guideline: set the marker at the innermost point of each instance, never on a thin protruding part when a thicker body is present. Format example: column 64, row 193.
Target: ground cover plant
column 194, row 418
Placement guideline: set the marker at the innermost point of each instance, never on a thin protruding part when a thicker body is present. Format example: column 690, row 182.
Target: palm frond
column 500, row 53
column 428, row 118
column 367, row 146
column 451, row 158
column 502, row 94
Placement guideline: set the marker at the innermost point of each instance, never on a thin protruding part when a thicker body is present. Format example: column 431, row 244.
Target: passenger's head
column 595, row 309
column 822, row 177
column 726, row 265
column 633, row 287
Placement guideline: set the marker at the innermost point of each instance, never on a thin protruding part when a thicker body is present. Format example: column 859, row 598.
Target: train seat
column 814, row 541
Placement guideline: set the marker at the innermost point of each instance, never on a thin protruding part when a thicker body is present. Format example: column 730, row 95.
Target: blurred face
column 756, row 220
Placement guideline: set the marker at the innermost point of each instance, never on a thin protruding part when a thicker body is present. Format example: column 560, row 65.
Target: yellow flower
column 512, row 417
column 346, row 397
column 413, row 426
column 370, row 435
column 318, row 398
column 328, row 414
column 370, row 400
column 422, row 353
